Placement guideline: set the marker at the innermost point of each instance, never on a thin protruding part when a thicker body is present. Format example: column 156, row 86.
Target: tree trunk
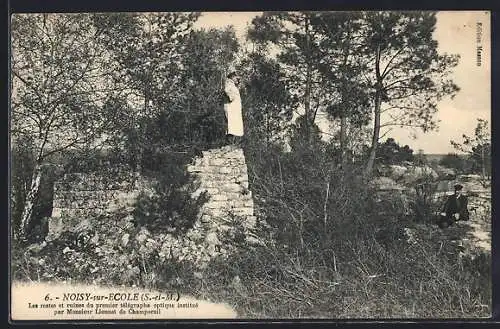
column 376, row 123
column 343, row 140
column 344, row 110
column 30, row 201
column 307, row 96
column 375, row 136
column 268, row 132
column 325, row 206
column 483, row 162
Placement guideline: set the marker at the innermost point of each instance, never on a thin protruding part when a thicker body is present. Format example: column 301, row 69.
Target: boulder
column 445, row 173
column 473, row 184
column 418, row 174
column 387, row 184
column 395, row 172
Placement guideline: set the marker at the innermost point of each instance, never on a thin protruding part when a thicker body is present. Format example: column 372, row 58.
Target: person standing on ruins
column 232, row 109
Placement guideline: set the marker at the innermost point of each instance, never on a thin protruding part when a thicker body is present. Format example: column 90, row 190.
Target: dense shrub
column 305, row 196
column 343, row 253
column 170, row 206
column 426, row 207
column 390, row 152
column 454, row 161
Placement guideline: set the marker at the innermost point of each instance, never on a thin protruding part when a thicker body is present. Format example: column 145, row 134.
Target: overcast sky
column 455, row 33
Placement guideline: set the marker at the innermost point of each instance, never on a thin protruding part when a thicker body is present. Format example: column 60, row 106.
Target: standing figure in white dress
column 232, row 109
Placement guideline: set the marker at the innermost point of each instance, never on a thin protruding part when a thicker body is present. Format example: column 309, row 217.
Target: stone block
column 247, row 211
column 56, row 226
column 212, row 238
column 212, row 183
column 248, row 203
column 218, row 162
column 215, row 205
column 242, row 178
column 56, row 212
column 215, row 212
column 235, row 154
column 218, row 197
column 197, row 193
column 194, row 168
column 225, row 170
column 236, row 203
column 231, row 188
column 213, row 191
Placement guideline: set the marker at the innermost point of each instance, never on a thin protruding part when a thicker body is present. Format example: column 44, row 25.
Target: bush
column 426, row 207
column 304, row 196
column 454, row 161
column 359, row 262
column 170, row 207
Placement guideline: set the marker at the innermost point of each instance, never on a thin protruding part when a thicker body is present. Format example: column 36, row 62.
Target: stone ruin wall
column 220, row 173
column 78, row 196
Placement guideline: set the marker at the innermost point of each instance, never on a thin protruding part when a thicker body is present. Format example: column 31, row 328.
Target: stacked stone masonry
column 222, row 174
column 79, row 196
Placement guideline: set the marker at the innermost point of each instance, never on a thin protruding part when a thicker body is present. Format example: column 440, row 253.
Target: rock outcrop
column 400, row 182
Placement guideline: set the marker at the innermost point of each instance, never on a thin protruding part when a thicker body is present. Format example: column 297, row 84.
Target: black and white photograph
column 250, row 165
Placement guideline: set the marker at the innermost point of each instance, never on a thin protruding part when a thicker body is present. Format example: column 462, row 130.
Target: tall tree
column 149, row 49
column 208, row 57
column 268, row 104
column 340, row 41
column 62, row 95
column 478, row 148
column 293, row 36
column 390, row 152
column 408, row 76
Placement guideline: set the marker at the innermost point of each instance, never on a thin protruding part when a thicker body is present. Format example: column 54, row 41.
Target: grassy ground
column 421, row 280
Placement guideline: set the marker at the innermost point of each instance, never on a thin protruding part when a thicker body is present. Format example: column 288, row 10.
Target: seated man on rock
column 455, row 208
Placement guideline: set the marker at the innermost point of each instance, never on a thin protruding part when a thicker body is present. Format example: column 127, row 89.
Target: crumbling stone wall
column 225, row 220
column 222, row 174
column 78, row 196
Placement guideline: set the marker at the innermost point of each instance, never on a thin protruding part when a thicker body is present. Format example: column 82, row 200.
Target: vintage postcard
column 250, row 165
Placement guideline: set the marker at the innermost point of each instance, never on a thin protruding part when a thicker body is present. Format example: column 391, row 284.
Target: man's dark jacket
column 455, row 205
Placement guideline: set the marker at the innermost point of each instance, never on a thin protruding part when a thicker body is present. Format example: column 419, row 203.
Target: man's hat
column 458, row 187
